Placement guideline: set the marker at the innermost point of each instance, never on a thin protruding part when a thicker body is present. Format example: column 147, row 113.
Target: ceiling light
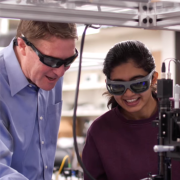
column 4, row 26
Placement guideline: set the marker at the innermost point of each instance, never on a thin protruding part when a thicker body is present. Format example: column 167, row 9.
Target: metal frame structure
column 148, row 14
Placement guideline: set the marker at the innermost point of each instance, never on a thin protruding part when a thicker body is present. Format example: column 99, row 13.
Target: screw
column 145, row 8
column 150, row 20
column 145, row 20
column 150, row 8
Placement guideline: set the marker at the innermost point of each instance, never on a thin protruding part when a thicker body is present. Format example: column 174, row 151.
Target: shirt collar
column 17, row 79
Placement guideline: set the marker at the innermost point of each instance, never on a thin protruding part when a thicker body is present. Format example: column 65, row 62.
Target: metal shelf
column 60, row 14
column 87, row 113
column 84, row 87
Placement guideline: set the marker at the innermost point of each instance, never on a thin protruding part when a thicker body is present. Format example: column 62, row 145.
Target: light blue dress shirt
column 29, row 123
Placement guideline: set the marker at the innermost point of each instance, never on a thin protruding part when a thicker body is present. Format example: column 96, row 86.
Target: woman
column 119, row 143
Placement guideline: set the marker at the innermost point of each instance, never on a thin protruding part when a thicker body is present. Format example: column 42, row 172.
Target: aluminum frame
column 148, row 14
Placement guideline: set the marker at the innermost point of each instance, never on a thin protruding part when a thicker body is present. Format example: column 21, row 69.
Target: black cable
column 75, row 104
column 94, row 27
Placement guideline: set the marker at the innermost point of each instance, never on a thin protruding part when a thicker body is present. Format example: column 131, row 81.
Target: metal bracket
column 147, row 16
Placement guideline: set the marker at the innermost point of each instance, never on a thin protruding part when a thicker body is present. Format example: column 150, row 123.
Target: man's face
column 44, row 76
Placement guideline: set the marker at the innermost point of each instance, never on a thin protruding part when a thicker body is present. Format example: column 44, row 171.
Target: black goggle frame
column 48, row 60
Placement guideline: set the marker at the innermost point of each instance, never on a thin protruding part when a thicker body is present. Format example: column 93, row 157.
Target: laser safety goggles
column 51, row 61
column 137, row 86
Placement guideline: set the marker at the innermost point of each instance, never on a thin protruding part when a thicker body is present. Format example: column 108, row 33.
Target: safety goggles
column 51, row 61
column 137, row 86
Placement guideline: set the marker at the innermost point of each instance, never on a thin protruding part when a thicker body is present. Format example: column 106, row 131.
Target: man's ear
column 155, row 77
column 21, row 46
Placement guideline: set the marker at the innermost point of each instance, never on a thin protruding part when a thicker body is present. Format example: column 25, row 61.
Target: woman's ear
column 155, row 77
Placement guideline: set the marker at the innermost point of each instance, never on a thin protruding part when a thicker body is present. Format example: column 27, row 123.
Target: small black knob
column 145, row 20
column 145, row 8
column 150, row 8
column 150, row 20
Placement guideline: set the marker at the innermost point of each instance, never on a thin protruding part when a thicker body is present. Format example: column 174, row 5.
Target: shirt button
column 46, row 167
column 30, row 85
column 42, row 142
column 41, row 118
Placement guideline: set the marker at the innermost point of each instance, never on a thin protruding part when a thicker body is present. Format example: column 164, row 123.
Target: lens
column 50, row 62
column 140, row 87
column 69, row 61
column 115, row 89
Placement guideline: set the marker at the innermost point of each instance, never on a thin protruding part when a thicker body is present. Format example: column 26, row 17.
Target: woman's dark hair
column 123, row 52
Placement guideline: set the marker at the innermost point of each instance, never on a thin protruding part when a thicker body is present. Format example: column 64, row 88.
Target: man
column 31, row 71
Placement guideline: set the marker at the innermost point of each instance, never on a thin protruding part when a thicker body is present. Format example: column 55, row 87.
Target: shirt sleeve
column 6, row 150
column 92, row 160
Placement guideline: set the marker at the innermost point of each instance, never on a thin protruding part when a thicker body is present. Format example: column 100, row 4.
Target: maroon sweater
column 121, row 149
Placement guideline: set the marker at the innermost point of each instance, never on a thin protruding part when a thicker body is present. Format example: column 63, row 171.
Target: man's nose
column 60, row 71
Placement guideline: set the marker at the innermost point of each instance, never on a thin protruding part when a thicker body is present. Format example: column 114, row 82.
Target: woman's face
column 129, row 101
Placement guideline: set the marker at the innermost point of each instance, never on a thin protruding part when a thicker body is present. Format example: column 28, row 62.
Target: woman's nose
column 128, row 92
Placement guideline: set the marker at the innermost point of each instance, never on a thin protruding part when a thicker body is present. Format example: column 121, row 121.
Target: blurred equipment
column 60, row 154
column 168, row 124
column 67, row 172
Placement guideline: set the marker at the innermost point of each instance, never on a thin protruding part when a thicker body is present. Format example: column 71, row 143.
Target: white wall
column 103, row 41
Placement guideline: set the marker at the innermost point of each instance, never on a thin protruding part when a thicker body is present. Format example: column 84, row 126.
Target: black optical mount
column 168, row 123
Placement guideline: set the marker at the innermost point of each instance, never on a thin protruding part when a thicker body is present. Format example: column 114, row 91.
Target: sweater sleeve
column 92, row 161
